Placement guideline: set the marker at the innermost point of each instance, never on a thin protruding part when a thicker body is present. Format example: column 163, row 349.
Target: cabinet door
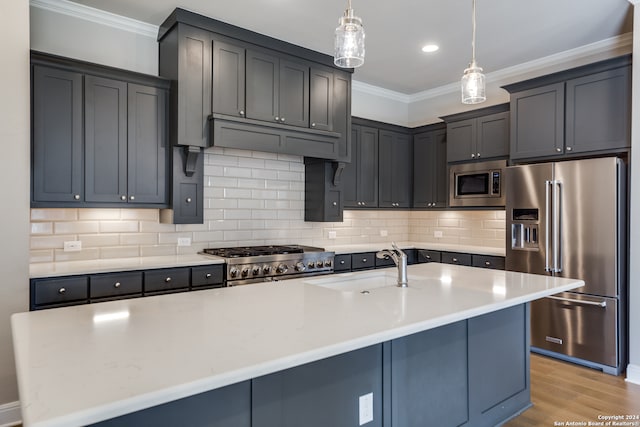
column 147, row 145
column 395, row 172
column 194, row 86
column 61, row 290
column 598, row 111
column 461, row 140
column 456, row 258
column 113, row 285
column 492, row 136
column 342, row 114
column 57, row 136
column 423, row 166
column 321, row 99
column 228, row 79
column 293, row 105
column 105, row 116
column 262, row 86
column 367, row 163
column 537, row 122
column 188, row 192
column 350, row 172
column 441, row 174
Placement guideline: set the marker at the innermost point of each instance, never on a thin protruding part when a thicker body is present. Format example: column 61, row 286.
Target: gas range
column 254, row 264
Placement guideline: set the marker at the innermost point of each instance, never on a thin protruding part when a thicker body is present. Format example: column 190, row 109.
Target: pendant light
column 349, row 40
column 473, row 82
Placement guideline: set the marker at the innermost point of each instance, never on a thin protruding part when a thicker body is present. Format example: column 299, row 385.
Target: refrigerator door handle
column 547, row 201
column 557, row 226
column 602, row 304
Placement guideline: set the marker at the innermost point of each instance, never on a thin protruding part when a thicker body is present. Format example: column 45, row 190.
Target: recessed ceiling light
column 428, row 48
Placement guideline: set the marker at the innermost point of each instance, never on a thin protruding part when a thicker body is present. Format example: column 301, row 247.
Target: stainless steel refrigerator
column 568, row 219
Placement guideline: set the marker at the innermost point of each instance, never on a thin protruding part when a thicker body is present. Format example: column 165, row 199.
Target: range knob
column 266, row 269
column 233, row 272
column 300, row 266
column 327, row 263
column 245, row 271
column 282, row 268
column 255, row 270
column 311, row 264
column 319, row 264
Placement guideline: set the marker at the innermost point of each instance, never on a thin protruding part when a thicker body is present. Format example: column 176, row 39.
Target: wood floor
column 563, row 392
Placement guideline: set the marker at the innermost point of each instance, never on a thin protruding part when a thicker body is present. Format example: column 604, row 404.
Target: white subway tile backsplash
column 138, row 239
column 97, row 240
column 98, row 214
column 140, row 214
column 54, row 214
column 119, row 226
column 41, row 228
column 158, row 250
column 75, row 227
column 84, row 254
column 276, row 165
column 120, row 252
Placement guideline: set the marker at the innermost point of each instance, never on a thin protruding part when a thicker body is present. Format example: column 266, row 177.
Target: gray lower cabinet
column 456, row 258
column 57, row 140
column 487, row 261
column 425, row 255
column 363, row 261
column 320, row 394
column 342, row 263
column 360, row 177
column 395, row 170
column 166, row 280
column 430, row 173
column 114, row 285
column 59, row 291
column 208, row 276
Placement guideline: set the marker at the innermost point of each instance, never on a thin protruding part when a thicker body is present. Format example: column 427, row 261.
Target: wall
column 633, row 370
column 251, row 198
column 14, row 227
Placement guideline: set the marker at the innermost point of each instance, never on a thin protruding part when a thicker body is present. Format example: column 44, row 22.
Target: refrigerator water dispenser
column 524, row 234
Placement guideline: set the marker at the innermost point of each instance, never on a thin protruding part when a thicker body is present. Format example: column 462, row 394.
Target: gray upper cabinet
column 57, row 168
column 430, row 176
column 360, row 177
column 575, row 112
column 478, row 135
column 321, row 98
column 395, row 170
column 228, row 78
column 104, row 149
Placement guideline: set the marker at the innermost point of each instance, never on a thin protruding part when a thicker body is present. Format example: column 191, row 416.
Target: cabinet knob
column 208, row 275
column 282, row 119
column 167, row 280
column 559, row 150
column 313, row 125
column 473, row 156
column 342, row 262
column 61, row 291
column 76, row 197
column 117, row 285
column 277, row 119
column 487, row 263
column 478, row 155
column 569, row 148
column 132, row 197
column 364, row 260
column 242, row 112
column 364, row 204
column 335, row 203
column 428, row 205
column 434, row 204
column 455, row 260
column 123, row 198
column 428, row 256
column 188, row 200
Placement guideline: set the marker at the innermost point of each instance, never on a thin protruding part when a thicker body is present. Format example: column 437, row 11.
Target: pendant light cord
column 473, row 36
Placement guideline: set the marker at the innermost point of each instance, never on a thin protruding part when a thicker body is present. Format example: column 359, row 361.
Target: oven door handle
column 602, row 304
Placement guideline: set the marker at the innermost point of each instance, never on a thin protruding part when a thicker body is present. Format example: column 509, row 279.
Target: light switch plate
column 437, row 234
column 332, row 234
column 384, row 233
column 184, row 241
column 73, row 246
column 366, row 408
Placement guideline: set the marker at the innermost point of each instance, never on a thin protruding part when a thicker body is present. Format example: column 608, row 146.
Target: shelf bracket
column 191, row 159
column 338, row 168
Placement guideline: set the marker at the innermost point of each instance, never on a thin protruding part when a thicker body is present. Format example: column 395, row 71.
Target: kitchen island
column 347, row 349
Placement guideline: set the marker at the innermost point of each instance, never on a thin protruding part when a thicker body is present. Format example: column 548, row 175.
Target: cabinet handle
column 364, row 260
column 428, row 205
column 434, row 204
column 428, row 256
column 123, row 198
column 76, row 197
column 559, row 150
column 132, row 197
column 473, row 156
column 116, row 285
column 167, row 280
column 188, row 200
column 242, row 112
column 569, row 148
column 478, row 155
column 335, row 203
column 364, row 204
column 487, row 263
column 313, row 125
column 62, row 291
column 342, row 262
column 277, row 119
column 208, row 275
column 454, row 259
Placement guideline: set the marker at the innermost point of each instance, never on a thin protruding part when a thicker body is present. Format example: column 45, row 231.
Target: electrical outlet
column 384, row 233
column 437, row 234
column 366, row 408
column 332, row 234
column 184, row 241
column 73, row 246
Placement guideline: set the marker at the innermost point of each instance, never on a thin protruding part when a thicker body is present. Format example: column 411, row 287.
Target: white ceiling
column 509, row 32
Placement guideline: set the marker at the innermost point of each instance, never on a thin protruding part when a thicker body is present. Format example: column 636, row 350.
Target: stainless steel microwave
column 477, row 184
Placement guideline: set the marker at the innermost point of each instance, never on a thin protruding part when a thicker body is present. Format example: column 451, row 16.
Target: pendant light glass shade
column 473, row 81
column 349, row 41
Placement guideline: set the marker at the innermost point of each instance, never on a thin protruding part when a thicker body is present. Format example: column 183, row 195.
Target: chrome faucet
column 400, row 259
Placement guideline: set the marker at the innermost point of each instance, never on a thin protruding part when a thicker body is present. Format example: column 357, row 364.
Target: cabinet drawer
column 383, row 262
column 207, row 275
column 456, row 258
column 363, row 260
column 487, row 261
column 342, row 263
column 111, row 285
column 425, row 255
column 166, row 279
column 60, row 290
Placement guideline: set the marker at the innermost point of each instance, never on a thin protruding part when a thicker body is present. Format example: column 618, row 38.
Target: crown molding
column 97, row 16
column 381, row 92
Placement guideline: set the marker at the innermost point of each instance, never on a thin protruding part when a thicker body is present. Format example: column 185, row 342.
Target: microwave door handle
column 547, row 202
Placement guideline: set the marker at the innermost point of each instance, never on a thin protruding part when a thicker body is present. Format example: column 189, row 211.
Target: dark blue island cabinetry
column 473, row 372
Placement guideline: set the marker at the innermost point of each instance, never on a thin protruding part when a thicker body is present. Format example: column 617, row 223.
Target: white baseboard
column 10, row 414
column 633, row 373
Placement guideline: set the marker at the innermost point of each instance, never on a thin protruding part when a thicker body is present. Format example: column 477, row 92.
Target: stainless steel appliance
column 477, row 184
column 252, row 264
column 568, row 219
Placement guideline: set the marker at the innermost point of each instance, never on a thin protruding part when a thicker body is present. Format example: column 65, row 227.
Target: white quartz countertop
column 83, row 364
column 372, row 247
column 69, row 268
